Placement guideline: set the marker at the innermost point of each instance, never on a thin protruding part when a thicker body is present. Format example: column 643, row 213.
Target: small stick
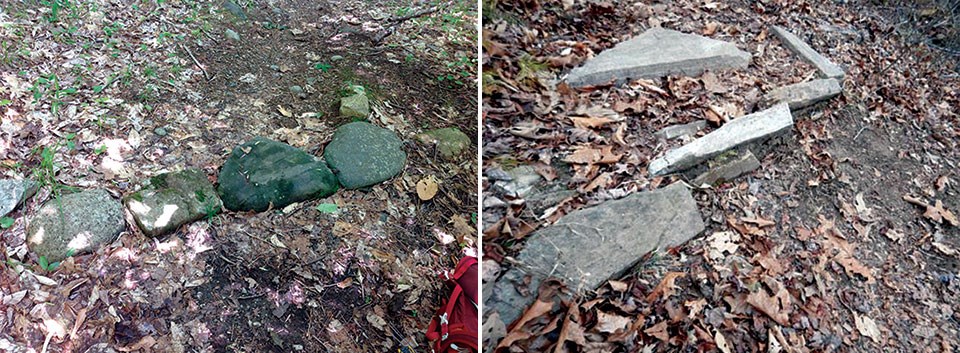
column 195, row 61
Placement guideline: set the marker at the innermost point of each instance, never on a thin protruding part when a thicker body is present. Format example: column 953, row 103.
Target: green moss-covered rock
column 364, row 154
column 263, row 172
column 171, row 200
column 75, row 224
column 450, row 141
column 357, row 105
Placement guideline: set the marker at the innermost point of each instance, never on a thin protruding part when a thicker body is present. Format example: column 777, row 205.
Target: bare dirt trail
column 829, row 246
column 148, row 87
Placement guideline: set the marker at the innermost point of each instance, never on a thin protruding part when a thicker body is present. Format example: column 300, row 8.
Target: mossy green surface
column 169, row 201
column 262, row 173
column 450, row 141
column 364, row 154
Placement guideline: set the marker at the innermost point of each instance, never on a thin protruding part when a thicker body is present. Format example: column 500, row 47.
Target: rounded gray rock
column 75, row 224
column 363, row 154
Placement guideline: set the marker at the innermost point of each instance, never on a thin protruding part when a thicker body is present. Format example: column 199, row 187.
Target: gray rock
column 827, row 68
column 804, row 94
column 357, row 105
column 656, row 53
column 745, row 129
column 262, row 173
column 363, row 154
column 13, row 192
column 450, row 141
column 336, row 58
column 589, row 246
column 296, row 89
column 100, row 348
column 232, row 34
column 521, row 181
column 75, row 224
column 235, row 9
column 171, row 200
column 675, row 131
column 728, row 169
column 160, row 131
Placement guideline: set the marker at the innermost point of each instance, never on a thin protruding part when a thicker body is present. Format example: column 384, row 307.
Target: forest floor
column 122, row 91
column 818, row 250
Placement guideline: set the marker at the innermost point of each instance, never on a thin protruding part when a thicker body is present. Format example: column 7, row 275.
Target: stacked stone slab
column 804, row 94
column 589, row 246
column 658, row 52
column 740, row 131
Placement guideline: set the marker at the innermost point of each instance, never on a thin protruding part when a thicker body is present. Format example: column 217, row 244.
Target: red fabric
column 463, row 322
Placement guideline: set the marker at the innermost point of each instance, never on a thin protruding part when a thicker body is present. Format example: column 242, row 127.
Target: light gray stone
column 100, row 348
column 728, row 169
column 75, row 224
column 804, row 94
column 589, row 246
column 171, row 200
column 450, row 141
column 14, row 192
column 658, row 52
column 520, row 181
column 675, row 131
column 745, row 129
column 356, row 105
column 827, row 68
column 232, row 34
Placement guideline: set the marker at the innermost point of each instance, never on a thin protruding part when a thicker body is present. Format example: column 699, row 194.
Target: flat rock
column 75, row 224
column 675, row 131
column 804, row 94
column 742, row 130
column 262, row 173
column 450, row 141
column 728, row 169
column 658, row 52
column 356, row 105
column 363, row 154
column 589, row 246
column 171, row 200
column 13, row 192
column 826, row 67
column 518, row 182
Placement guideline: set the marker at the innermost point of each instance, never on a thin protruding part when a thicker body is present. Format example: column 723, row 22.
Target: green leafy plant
column 327, row 208
column 49, row 84
column 6, row 222
column 322, row 67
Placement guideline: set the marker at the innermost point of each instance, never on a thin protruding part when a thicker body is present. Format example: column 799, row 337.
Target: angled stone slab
column 589, row 246
column 658, row 52
column 740, row 131
column 805, row 94
column 728, row 170
column 827, row 68
column 13, row 192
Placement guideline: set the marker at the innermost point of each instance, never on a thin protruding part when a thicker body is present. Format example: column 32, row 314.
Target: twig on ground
column 397, row 21
column 195, row 61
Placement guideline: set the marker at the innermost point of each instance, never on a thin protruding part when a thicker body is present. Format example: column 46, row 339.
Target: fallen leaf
column 611, row 323
column 769, row 305
column 867, row 327
column 346, row 282
column 659, row 331
column 283, row 111
column 894, row 235
column 427, row 188
column 722, row 344
column 710, row 28
column 618, row 286
column 759, row 221
column 376, row 321
column 666, row 286
column 590, row 122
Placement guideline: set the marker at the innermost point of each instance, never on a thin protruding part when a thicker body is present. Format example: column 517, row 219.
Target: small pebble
column 336, row 58
column 160, row 131
column 232, row 35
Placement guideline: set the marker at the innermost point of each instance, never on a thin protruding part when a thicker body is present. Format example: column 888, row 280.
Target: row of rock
column 259, row 175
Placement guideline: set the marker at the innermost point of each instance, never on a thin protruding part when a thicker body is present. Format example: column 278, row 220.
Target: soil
column 363, row 278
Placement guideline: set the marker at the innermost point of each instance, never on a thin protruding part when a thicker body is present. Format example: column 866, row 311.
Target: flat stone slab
column 826, row 67
column 728, row 170
column 518, row 182
column 658, row 52
column 589, row 246
column 674, row 131
column 171, row 200
column 450, row 141
column 75, row 224
column 13, row 192
column 262, row 173
column 804, row 94
column 742, row 130
column 363, row 154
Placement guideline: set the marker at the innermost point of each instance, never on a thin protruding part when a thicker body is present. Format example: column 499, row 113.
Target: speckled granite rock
column 75, row 224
